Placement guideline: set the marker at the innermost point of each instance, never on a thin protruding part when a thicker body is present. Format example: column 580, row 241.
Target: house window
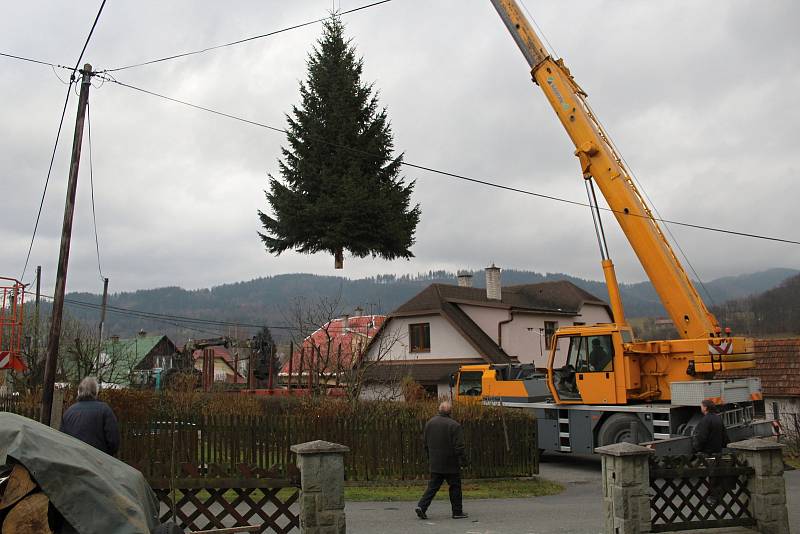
column 419, row 336
column 550, row 328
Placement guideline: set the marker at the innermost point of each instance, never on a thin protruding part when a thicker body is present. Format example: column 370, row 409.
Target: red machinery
column 12, row 293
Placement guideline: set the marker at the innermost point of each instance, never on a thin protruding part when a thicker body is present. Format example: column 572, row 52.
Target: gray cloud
column 697, row 94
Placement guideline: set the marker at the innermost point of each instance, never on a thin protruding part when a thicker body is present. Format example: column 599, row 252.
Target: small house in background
column 225, row 365
column 141, row 359
column 329, row 355
column 446, row 326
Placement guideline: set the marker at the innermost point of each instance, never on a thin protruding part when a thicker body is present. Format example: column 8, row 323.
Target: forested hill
column 266, row 300
column 775, row 312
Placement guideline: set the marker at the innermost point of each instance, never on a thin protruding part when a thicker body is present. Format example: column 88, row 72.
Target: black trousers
column 454, row 487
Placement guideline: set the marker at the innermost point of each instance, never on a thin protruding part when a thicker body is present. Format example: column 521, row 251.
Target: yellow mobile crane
column 610, row 386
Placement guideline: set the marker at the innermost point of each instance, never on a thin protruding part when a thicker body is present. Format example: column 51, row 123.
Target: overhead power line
column 91, row 187
column 457, row 176
column 240, row 41
column 141, row 314
column 88, row 38
column 31, row 60
column 58, row 133
column 47, row 180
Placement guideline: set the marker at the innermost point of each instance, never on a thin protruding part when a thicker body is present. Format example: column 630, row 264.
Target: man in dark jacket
column 709, row 434
column 709, row 438
column 444, row 445
column 92, row 421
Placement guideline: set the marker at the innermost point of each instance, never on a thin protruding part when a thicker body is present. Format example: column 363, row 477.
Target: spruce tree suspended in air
column 340, row 186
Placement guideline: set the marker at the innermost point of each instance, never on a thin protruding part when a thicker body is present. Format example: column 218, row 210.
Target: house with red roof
column 329, row 355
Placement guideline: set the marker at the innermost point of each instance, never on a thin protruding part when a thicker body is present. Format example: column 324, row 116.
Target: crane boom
column 600, row 161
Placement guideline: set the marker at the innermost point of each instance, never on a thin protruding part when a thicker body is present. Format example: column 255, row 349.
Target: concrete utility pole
column 63, row 256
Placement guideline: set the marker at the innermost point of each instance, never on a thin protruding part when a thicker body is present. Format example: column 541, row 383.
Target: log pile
column 24, row 508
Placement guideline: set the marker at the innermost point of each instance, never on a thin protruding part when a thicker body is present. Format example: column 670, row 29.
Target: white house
column 446, row 326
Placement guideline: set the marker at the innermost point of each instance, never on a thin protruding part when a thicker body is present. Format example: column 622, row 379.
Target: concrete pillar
column 626, row 486
column 58, row 408
column 321, row 465
column 767, row 486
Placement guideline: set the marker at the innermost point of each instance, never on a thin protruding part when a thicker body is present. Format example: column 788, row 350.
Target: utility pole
column 102, row 323
column 63, row 255
column 36, row 311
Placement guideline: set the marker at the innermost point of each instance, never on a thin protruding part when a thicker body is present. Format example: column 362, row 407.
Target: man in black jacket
column 444, row 445
column 709, row 438
column 709, row 434
column 92, row 421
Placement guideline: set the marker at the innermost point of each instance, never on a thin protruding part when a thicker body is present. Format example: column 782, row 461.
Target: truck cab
column 587, row 365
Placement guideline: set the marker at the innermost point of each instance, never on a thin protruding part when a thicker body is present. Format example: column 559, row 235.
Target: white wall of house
column 485, row 317
column 594, row 313
column 522, row 337
column 376, row 391
column 446, row 341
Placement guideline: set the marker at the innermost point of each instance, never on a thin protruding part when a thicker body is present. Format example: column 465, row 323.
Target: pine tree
column 341, row 188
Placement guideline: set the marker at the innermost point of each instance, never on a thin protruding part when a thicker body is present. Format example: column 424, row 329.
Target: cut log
column 18, row 485
column 28, row 516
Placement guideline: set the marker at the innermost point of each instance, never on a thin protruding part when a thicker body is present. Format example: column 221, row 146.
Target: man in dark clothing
column 598, row 357
column 709, row 435
column 444, row 445
column 92, row 421
column 709, row 438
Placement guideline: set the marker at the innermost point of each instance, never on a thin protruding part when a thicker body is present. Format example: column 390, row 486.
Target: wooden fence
column 383, row 445
column 380, row 449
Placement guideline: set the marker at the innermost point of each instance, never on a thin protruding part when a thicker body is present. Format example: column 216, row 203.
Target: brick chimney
column 464, row 279
column 493, row 291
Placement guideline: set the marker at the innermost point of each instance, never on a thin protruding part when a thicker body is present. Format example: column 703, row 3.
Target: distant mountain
column 775, row 312
column 268, row 300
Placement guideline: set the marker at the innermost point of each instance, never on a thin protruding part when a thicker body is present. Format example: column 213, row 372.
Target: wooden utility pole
column 36, row 311
column 63, row 255
column 102, row 323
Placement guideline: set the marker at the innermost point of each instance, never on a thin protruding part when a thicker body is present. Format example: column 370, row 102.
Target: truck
column 602, row 385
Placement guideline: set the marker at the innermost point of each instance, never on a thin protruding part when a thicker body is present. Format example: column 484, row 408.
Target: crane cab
column 587, row 365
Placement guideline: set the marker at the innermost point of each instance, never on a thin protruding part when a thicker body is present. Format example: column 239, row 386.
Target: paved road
column 577, row 510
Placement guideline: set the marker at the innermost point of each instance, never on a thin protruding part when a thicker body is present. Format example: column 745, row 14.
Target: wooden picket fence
column 380, row 449
column 385, row 441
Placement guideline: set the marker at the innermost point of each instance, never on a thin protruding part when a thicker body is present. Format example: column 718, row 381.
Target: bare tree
column 332, row 354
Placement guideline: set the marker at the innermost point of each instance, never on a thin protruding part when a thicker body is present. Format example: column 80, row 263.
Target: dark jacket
column 444, row 444
column 93, row 422
column 709, row 434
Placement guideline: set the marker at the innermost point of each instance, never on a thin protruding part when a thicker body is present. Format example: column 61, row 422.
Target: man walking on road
column 90, row 420
column 444, row 445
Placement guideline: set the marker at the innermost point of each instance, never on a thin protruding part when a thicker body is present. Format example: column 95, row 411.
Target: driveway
column 579, row 509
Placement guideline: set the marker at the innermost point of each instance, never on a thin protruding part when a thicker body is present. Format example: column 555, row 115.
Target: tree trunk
column 339, row 258
column 29, row 516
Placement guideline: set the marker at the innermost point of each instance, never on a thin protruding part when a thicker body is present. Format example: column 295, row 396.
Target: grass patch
column 482, row 489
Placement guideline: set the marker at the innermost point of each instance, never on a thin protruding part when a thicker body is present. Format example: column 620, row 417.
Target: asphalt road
column 576, row 510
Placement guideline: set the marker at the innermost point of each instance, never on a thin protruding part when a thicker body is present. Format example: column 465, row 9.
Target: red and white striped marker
column 9, row 361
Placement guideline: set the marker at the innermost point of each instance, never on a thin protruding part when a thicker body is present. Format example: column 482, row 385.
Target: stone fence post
column 321, row 465
column 767, row 486
column 626, row 488
column 57, row 411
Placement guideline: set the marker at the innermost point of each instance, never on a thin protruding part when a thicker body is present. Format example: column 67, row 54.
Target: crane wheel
column 622, row 428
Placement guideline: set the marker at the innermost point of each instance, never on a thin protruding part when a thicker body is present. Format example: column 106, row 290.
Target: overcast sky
column 700, row 96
